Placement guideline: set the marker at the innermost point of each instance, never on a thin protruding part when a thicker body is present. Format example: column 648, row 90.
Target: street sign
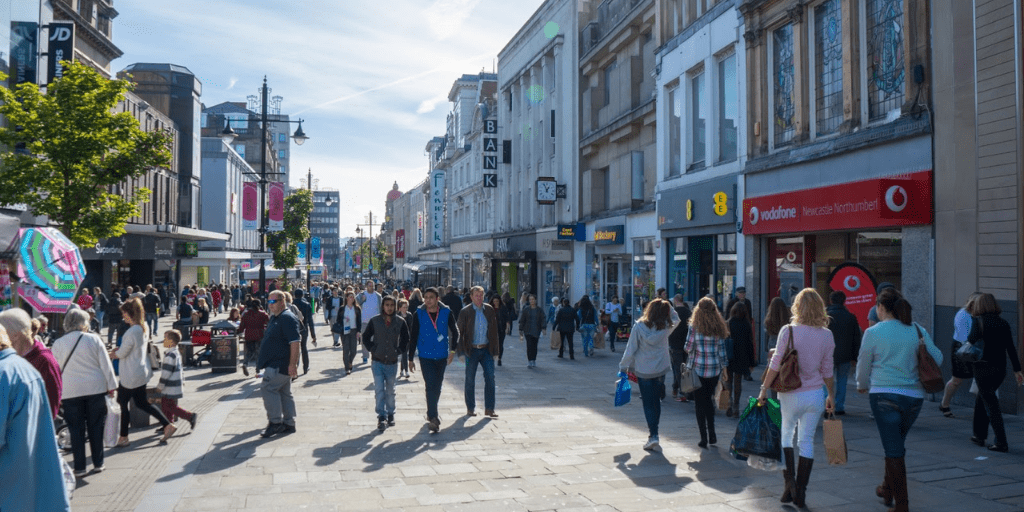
column 262, row 255
column 490, row 180
column 316, row 272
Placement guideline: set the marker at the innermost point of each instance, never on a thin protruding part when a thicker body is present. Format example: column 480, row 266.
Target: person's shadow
column 330, row 375
column 720, row 471
column 205, row 464
column 651, row 472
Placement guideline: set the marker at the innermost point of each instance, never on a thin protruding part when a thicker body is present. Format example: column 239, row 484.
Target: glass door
column 702, row 266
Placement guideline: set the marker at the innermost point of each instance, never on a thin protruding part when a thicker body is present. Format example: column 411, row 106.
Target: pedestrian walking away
column 705, row 347
column 478, row 325
column 887, row 369
column 386, row 337
column 251, row 328
column 278, row 361
column 588, row 325
column 307, row 326
column 646, row 354
column 677, row 345
column 802, row 408
column 435, row 335
column 567, row 322
column 742, row 359
column 847, row 335
column 741, row 297
column 532, row 325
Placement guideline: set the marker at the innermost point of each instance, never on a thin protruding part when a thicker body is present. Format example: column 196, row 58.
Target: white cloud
column 445, row 17
column 429, row 105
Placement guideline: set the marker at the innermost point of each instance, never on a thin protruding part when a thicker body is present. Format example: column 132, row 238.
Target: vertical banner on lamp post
column 419, row 227
column 316, row 254
column 276, row 206
column 400, row 243
column 250, row 206
column 302, row 251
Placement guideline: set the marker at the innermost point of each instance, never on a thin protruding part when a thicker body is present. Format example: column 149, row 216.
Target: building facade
column 248, row 139
column 94, row 24
column 325, row 223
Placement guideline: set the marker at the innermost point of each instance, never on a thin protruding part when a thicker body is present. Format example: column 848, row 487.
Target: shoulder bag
column 972, row 350
column 788, row 378
column 689, row 381
column 927, row 370
column 68, row 358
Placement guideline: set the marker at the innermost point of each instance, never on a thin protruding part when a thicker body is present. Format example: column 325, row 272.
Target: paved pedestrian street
column 558, row 444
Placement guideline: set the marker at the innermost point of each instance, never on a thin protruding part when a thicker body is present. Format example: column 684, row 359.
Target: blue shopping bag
column 623, row 390
column 758, row 432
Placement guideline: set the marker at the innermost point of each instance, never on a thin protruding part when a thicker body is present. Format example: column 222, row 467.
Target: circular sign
column 721, row 204
column 851, row 283
column 896, row 198
column 791, row 257
column 753, row 215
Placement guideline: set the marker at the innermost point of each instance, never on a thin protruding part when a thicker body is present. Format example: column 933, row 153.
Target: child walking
column 170, row 381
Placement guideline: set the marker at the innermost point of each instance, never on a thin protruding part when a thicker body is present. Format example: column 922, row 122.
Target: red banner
column 903, row 200
column 857, row 283
column 400, row 243
column 250, row 206
column 276, row 206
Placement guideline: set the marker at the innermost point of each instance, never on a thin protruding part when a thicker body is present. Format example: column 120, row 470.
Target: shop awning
column 9, row 226
column 420, row 266
column 176, row 232
column 272, row 273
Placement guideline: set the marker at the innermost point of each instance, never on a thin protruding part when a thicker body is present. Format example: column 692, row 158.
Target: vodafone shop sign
column 904, row 200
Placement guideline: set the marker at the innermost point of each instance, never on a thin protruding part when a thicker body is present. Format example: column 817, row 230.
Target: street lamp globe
column 299, row 136
column 228, row 135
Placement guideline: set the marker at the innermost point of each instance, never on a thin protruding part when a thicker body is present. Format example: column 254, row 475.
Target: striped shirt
column 170, row 374
column 708, row 356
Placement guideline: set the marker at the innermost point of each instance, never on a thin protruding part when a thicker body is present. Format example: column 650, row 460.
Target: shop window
column 677, row 270
column 787, row 276
column 783, row 106
column 883, row 54
column 828, row 67
column 728, row 108
column 675, row 144
column 725, row 267
column 643, row 274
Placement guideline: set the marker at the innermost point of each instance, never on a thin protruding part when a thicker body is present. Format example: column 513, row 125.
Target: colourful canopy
column 51, row 269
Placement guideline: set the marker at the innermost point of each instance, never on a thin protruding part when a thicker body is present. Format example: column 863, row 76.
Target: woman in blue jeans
column 647, row 355
column 888, row 350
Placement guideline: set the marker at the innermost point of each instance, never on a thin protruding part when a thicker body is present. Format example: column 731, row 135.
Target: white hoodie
column 647, row 352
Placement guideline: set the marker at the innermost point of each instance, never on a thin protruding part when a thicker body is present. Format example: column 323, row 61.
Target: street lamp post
column 299, row 137
column 309, row 239
column 370, row 224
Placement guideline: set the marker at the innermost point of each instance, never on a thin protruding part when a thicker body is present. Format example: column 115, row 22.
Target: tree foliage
column 297, row 209
column 63, row 150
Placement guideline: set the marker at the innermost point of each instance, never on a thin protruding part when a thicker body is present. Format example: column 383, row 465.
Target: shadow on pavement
column 717, row 469
column 197, row 467
column 331, row 375
column 653, row 471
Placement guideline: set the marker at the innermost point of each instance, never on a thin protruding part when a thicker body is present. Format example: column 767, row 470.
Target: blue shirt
column 479, row 327
column 275, row 349
column 30, row 468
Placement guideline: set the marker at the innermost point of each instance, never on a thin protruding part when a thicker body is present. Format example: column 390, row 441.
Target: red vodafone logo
column 896, row 198
column 851, row 283
column 753, row 215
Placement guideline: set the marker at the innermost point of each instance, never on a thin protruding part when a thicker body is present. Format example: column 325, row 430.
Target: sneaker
column 98, row 469
column 259, row 375
column 382, row 424
column 192, row 421
column 288, row 429
column 499, row 362
column 272, row 430
column 652, row 443
column 80, row 473
column 391, row 420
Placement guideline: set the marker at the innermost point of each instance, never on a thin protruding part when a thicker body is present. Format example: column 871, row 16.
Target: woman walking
column 503, row 324
column 136, row 372
column 962, row 323
column 646, row 354
column 705, row 346
column 742, row 353
column 991, row 371
column 588, row 325
column 802, row 408
column 566, row 322
column 347, row 325
column 778, row 315
column 887, row 368
column 532, row 324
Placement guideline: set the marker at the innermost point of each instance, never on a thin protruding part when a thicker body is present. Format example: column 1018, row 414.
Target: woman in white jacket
column 647, row 356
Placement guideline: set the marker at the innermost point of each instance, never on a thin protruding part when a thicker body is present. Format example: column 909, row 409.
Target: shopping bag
column 724, row 396
column 556, row 339
column 599, row 338
column 112, row 425
column 68, row 476
column 835, row 441
column 623, row 390
column 758, row 432
column 688, row 379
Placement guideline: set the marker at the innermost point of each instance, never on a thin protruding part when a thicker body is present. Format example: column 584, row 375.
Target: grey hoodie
column 647, row 352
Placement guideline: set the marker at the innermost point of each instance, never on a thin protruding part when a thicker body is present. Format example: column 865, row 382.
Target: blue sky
column 370, row 78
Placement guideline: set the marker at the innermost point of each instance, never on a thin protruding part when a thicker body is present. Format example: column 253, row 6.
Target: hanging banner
column 437, row 207
column 400, row 243
column 302, row 252
column 24, row 53
column 419, row 227
column 857, row 283
column 276, row 206
column 250, row 206
column 316, row 254
column 62, row 48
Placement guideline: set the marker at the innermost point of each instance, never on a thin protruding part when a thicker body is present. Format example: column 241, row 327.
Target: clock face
column 546, row 191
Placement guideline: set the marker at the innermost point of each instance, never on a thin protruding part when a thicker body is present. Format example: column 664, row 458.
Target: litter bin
column 224, row 346
column 138, row 418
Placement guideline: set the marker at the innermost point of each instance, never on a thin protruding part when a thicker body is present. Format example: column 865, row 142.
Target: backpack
column 153, row 353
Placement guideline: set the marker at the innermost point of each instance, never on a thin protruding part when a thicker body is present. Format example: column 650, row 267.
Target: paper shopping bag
column 724, row 397
column 835, row 441
column 599, row 338
column 556, row 339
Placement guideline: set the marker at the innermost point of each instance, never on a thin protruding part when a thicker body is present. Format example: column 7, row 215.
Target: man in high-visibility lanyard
column 434, row 333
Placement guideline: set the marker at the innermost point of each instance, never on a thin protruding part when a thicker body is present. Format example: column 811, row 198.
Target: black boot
column 788, row 476
column 884, row 491
column 703, row 435
column 803, row 475
column 898, row 484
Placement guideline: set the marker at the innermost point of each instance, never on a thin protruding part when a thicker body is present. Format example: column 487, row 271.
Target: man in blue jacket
column 435, row 334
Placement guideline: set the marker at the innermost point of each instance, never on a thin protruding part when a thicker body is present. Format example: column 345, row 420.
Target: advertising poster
column 302, row 251
column 250, row 206
column 859, row 286
column 276, row 206
column 5, row 286
column 400, row 243
column 316, row 254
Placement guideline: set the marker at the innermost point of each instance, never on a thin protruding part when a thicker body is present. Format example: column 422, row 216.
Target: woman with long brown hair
column 990, row 372
column 646, row 354
column 135, row 371
column 705, row 346
column 778, row 316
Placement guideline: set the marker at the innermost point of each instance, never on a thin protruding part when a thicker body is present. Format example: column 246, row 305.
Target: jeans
column 433, row 376
column 151, row 319
column 137, row 395
column 894, row 415
column 349, row 345
column 651, row 393
column 384, row 387
column 587, row 334
column 100, row 315
column 483, row 357
column 704, row 406
column 678, row 358
column 841, row 372
column 801, row 413
column 252, row 352
column 112, row 331
column 531, row 347
column 86, row 414
column 986, row 405
column 303, row 352
column 566, row 339
column 277, row 396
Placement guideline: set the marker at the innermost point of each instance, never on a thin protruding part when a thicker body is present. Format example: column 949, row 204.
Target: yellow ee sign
column 689, row 209
column 721, row 204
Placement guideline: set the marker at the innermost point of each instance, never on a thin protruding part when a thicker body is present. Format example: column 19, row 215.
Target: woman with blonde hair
column 647, row 355
column 802, row 408
column 135, row 371
column 705, row 346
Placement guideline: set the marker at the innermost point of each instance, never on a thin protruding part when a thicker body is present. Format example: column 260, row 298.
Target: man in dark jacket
column 307, row 328
column 453, row 301
column 741, row 296
column 478, row 341
column 677, row 344
column 386, row 337
column 846, row 333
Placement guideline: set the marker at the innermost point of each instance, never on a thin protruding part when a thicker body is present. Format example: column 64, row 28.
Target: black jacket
column 846, row 333
column 998, row 345
column 386, row 340
column 307, row 316
column 742, row 345
column 566, row 319
column 677, row 340
column 454, row 303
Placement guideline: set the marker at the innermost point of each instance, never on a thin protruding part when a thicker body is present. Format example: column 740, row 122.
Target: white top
column 88, row 371
column 614, row 310
column 350, row 318
column 134, row 366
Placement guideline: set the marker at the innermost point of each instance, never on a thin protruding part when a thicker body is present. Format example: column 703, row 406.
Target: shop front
column 514, row 265
column 129, row 260
column 697, row 225
column 469, row 267
column 554, row 256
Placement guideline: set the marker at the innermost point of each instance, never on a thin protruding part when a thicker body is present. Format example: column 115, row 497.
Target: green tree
column 297, row 208
column 64, row 150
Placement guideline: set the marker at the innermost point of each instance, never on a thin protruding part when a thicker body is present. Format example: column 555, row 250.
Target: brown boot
column 803, row 475
column 884, row 491
column 788, row 475
column 898, row 484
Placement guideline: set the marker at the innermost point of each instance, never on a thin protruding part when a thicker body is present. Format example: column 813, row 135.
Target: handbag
column 689, row 381
column 835, row 440
column 927, row 370
column 112, row 423
column 337, row 328
column 788, row 378
column 972, row 351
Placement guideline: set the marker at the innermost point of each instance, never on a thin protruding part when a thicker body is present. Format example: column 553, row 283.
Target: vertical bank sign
column 24, row 52
column 902, row 200
column 437, row 208
column 62, row 47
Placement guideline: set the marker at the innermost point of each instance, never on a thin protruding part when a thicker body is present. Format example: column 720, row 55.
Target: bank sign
column 902, row 200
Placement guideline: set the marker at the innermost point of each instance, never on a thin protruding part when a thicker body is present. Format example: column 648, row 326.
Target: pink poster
column 276, row 206
column 250, row 206
column 5, row 286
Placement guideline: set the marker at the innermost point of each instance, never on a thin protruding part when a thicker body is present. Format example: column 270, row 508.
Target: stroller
column 60, row 427
column 201, row 338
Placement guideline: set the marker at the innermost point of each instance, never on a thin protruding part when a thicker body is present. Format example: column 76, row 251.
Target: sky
column 370, row 79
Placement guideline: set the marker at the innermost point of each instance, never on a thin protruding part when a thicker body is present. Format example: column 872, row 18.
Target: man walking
column 251, row 328
column 846, row 333
column 677, row 344
column 386, row 337
column 741, row 296
column 151, row 305
column 453, row 301
column 369, row 300
column 478, row 324
column 435, row 334
column 279, row 360
column 308, row 329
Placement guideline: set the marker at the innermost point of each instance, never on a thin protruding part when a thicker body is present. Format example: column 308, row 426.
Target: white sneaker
column 652, row 443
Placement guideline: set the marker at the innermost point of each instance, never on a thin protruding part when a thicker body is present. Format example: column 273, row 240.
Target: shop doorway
column 701, row 266
column 514, row 278
column 618, row 282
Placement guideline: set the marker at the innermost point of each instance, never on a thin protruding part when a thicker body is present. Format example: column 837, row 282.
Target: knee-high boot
column 789, row 476
column 803, row 475
column 898, row 484
column 884, row 491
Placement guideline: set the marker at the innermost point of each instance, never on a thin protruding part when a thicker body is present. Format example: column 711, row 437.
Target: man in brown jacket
column 478, row 326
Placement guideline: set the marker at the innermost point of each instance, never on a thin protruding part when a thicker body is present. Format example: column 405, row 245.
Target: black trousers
column 138, row 395
column 433, row 377
column 613, row 332
column 304, row 352
column 705, row 406
column 86, row 414
column 735, row 386
column 531, row 347
column 501, row 343
column 986, row 406
column 566, row 338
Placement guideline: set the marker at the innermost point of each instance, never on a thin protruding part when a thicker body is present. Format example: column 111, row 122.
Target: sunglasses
column 273, row 301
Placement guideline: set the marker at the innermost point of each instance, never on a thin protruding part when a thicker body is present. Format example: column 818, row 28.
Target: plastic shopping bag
column 623, row 390
column 112, row 426
column 758, row 432
column 68, row 475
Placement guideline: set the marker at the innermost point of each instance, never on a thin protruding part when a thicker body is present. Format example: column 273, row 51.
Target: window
column 783, row 108
column 728, row 108
column 203, row 119
column 828, row 67
column 608, row 83
column 282, row 137
column 675, row 143
column 281, row 169
column 281, row 153
column 240, row 149
column 884, row 53
column 698, row 121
